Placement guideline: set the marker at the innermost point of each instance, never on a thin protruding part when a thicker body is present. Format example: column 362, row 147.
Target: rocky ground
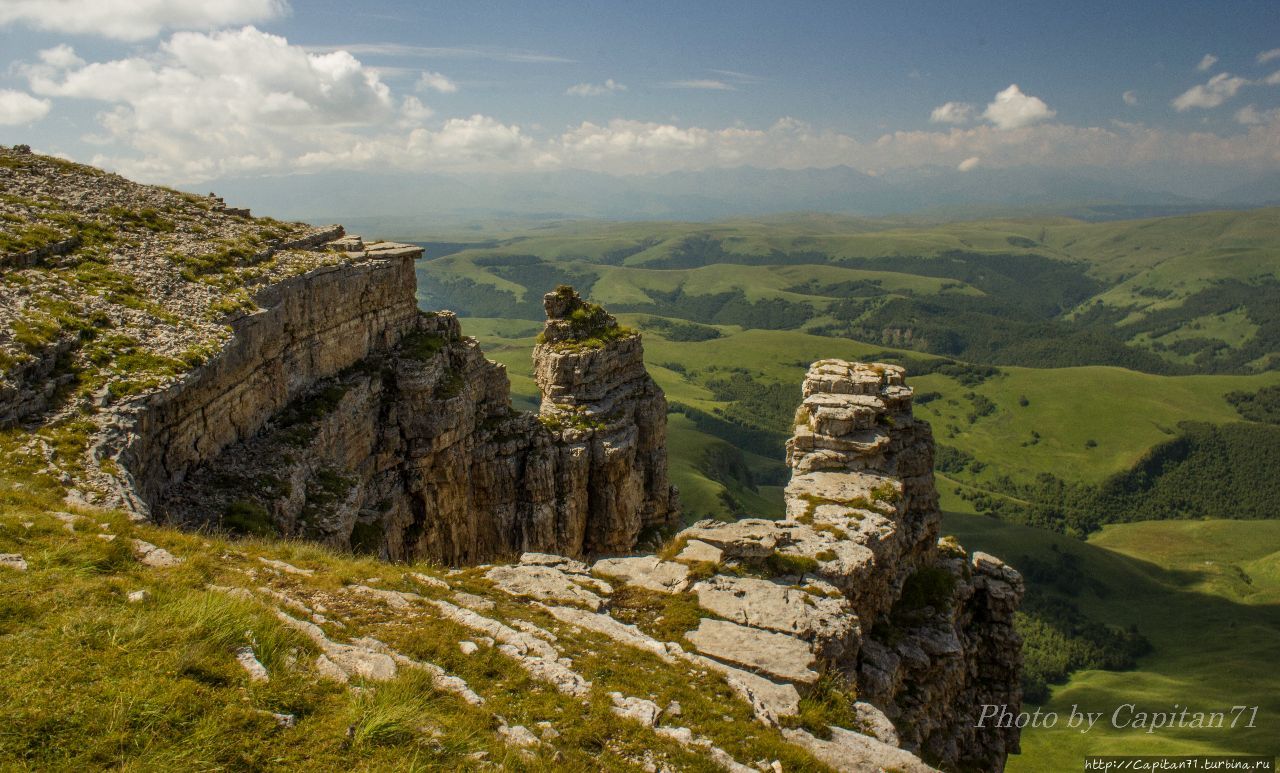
column 111, row 289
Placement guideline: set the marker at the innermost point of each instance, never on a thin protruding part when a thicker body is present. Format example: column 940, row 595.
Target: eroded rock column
column 609, row 421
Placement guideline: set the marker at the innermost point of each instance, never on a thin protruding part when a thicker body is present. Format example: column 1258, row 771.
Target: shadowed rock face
column 342, row 414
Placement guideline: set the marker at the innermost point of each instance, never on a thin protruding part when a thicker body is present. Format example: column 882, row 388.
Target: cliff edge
column 408, row 446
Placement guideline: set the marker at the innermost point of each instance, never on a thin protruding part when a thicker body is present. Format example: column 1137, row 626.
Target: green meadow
column 1206, row 594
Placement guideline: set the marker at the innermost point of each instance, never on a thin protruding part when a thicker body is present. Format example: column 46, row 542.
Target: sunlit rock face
column 855, row 584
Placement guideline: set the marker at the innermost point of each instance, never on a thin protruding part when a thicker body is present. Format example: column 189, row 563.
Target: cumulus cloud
column 1130, row 98
column 1207, row 61
column 135, row 19
column 434, row 81
column 953, row 112
column 478, row 143
column 624, row 147
column 61, row 57
column 413, row 112
column 1013, row 110
column 595, row 90
column 242, row 102
column 17, row 107
column 1219, row 89
column 224, row 102
column 704, row 84
column 1267, row 56
column 1250, row 115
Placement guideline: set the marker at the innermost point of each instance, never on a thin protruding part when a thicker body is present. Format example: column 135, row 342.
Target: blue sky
column 182, row 91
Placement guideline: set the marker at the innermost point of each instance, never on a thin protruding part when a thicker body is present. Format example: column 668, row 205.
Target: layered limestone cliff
column 342, row 414
column 854, row 584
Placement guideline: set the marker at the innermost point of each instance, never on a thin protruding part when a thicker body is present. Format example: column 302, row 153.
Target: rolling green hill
column 1176, row 295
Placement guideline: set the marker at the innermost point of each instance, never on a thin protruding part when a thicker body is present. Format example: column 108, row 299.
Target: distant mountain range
column 395, row 201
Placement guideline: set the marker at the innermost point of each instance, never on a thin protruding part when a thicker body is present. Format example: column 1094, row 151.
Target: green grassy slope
column 153, row 684
column 1124, row 412
column 1178, row 294
column 1207, row 596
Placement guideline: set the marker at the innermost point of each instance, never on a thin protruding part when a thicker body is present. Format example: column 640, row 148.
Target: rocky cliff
column 853, row 593
column 205, row 368
column 399, row 438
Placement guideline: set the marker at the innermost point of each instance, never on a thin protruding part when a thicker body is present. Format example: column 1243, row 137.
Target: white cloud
column 704, row 84
column 1250, row 115
column 61, row 57
column 595, row 90
column 413, row 112
column 740, row 77
column 493, row 53
column 1013, row 110
column 1130, row 98
column 203, row 106
column 1267, row 56
column 1206, row 62
column 952, row 112
column 221, row 103
column 434, row 81
column 478, row 143
column 135, row 19
column 17, row 107
column 1219, row 89
column 1273, row 79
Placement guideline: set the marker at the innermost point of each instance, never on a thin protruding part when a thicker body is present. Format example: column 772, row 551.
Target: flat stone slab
column 775, row 654
column 697, row 550
column 649, row 572
column 855, row 752
column 287, row 568
column 623, row 633
column 13, row 561
column 562, row 563
column 746, row 538
column 544, row 583
column 769, row 700
column 829, row 622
